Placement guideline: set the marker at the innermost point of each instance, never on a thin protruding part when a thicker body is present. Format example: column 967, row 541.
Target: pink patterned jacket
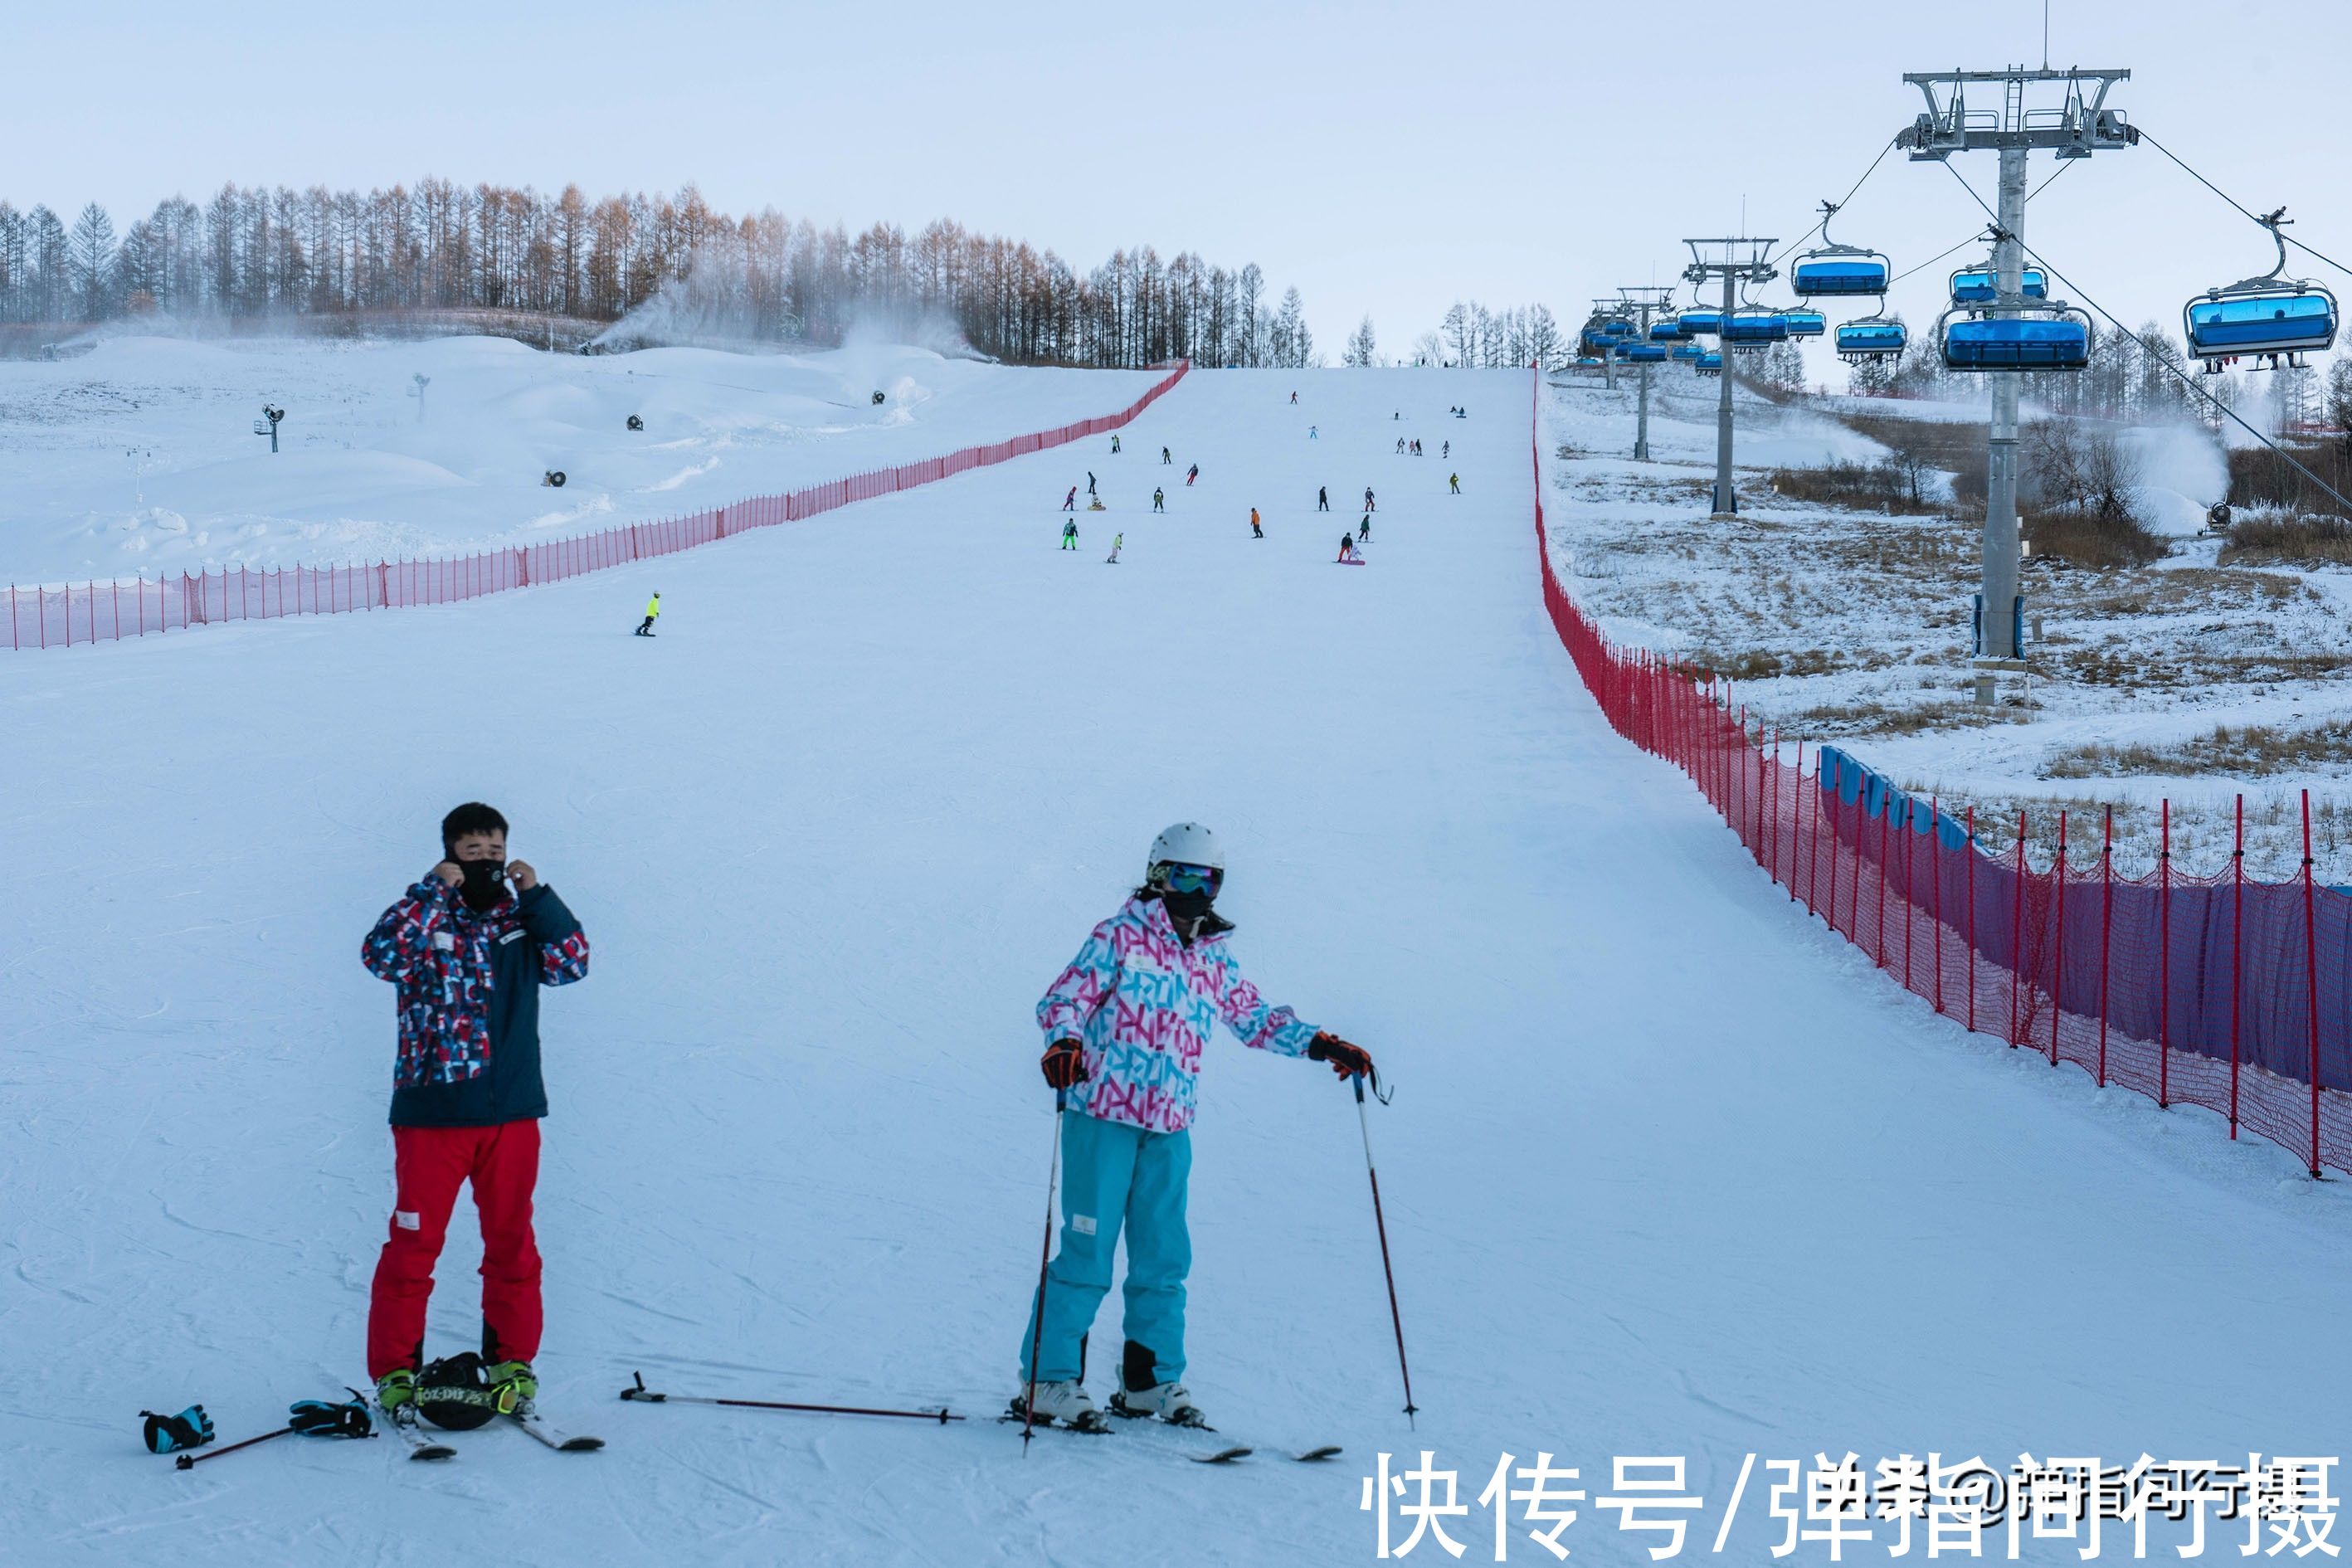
column 1143, row 1004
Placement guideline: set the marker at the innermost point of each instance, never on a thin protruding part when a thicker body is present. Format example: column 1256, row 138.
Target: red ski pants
column 429, row 1165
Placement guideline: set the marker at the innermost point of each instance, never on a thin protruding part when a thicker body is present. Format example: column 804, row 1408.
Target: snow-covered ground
column 1669, row 1171
column 1853, row 625
column 139, row 458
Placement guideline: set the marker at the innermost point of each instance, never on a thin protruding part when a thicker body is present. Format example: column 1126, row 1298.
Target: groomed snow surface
column 1668, row 1170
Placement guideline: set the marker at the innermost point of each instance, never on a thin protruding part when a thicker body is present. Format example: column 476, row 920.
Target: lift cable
column 2238, row 205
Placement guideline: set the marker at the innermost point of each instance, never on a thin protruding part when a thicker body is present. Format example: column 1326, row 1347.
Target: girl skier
column 1127, row 1020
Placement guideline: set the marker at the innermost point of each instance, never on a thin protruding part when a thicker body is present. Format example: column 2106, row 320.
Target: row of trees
column 257, row 252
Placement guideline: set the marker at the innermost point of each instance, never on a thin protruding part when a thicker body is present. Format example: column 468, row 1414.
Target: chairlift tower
column 1733, row 269
column 1601, row 309
column 2078, row 125
column 1647, row 302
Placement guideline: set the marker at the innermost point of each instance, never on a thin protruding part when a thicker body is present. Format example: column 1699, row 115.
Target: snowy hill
column 139, row 458
column 1669, row 1171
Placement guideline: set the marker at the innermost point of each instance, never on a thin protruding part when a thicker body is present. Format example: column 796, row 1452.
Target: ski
column 538, row 1426
column 420, row 1447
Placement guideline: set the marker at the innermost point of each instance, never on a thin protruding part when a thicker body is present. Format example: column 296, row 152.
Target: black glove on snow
column 1346, row 1060
column 1065, row 1063
column 318, row 1418
column 190, row 1428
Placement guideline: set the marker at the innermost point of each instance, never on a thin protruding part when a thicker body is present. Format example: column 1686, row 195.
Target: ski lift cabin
column 2060, row 340
column 1804, row 323
column 1981, row 285
column 1871, row 338
column 1838, row 272
column 2271, row 317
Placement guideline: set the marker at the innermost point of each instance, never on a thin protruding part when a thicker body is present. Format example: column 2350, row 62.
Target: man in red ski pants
column 469, row 946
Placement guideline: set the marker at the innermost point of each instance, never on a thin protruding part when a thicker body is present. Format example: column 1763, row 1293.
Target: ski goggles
column 1182, row 878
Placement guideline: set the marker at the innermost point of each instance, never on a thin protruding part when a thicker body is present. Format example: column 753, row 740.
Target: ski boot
column 1060, row 1404
column 1172, row 1402
column 395, row 1395
column 513, row 1386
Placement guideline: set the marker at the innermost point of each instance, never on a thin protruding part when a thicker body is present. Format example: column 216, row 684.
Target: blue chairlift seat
column 2289, row 321
column 1669, row 330
column 2017, row 343
column 1689, row 352
column 1841, row 276
column 1870, row 339
column 1980, row 285
column 1755, row 327
column 1806, row 323
column 1700, row 323
column 1709, row 364
column 1644, row 353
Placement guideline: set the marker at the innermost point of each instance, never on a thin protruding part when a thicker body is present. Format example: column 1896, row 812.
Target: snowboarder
column 1190, row 474
column 1090, row 481
column 1364, row 529
column 468, row 947
column 1126, row 1021
column 1347, row 548
column 1322, row 498
column 1255, row 531
column 1455, row 482
column 1070, row 501
column 1158, row 499
column 1115, row 541
column 1164, row 457
column 653, row 613
column 1462, row 412
column 1368, row 499
column 1070, row 534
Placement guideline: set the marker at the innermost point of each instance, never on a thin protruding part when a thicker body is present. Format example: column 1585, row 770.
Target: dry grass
column 2248, row 751
column 2089, row 540
column 2262, row 539
column 1862, row 486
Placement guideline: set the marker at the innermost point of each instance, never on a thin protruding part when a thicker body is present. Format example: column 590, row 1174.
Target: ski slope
column 1669, row 1171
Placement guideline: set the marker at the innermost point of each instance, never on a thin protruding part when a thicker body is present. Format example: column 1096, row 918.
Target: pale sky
column 1384, row 158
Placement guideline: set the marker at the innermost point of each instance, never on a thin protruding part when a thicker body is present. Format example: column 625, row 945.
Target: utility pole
column 2077, row 128
column 1647, row 301
column 1733, row 269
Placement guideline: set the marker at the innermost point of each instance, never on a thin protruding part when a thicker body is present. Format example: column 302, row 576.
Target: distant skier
column 1462, row 412
column 1255, row 531
column 1322, row 498
column 1124, row 1025
column 1070, row 534
column 1364, row 529
column 1312, row 434
column 1070, row 501
column 1114, row 442
column 469, row 946
column 1368, row 499
column 1446, row 449
column 1090, row 481
column 1455, row 482
column 1115, row 541
column 1158, row 499
column 1164, row 457
column 1294, row 397
column 653, row 613
column 1190, row 474
column 1400, row 446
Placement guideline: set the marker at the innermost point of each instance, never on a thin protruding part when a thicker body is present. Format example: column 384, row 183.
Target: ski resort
column 1765, row 975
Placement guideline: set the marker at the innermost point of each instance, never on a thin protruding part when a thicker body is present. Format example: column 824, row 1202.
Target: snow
column 139, row 457
column 1668, row 1171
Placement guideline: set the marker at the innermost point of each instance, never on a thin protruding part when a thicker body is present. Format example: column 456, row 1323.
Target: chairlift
column 1837, row 271
column 1981, row 285
column 1642, row 354
column 1688, row 352
column 1805, row 323
column 1669, row 330
column 2270, row 318
column 1700, row 323
column 1871, row 337
column 2057, row 339
column 1709, row 363
column 1754, row 326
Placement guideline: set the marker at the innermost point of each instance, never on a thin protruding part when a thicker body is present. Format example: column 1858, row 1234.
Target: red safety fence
column 104, row 612
column 2209, row 990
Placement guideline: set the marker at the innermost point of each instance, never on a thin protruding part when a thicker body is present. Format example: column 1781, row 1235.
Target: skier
column 1114, row 443
column 1322, row 498
column 653, row 613
column 1364, row 529
column 1164, row 457
column 1115, row 541
column 1255, row 531
column 1400, row 446
column 1294, row 398
column 469, row 946
column 1158, row 499
column 1445, row 450
column 1368, row 499
column 1090, row 481
column 1070, row 534
column 1455, row 481
column 1190, row 474
column 1311, row 434
column 1127, row 1018
column 1070, row 501
column 1347, row 548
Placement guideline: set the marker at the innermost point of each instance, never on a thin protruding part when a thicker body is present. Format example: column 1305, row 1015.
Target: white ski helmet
column 1186, row 843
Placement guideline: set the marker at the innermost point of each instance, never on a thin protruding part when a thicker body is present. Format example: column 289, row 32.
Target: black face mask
column 484, row 886
column 1184, row 908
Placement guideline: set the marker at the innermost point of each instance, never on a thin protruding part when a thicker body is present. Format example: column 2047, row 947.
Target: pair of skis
column 423, row 1444
column 1102, row 1426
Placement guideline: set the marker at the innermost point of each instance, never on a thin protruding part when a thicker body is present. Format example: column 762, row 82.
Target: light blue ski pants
column 1114, row 1176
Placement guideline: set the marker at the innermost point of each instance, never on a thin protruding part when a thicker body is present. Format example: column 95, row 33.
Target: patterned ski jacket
column 1143, row 1005
column 468, row 1001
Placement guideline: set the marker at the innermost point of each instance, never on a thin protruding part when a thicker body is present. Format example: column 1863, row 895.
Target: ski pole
column 189, row 1461
column 1380, row 1225
column 649, row 1397
column 1045, row 1257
